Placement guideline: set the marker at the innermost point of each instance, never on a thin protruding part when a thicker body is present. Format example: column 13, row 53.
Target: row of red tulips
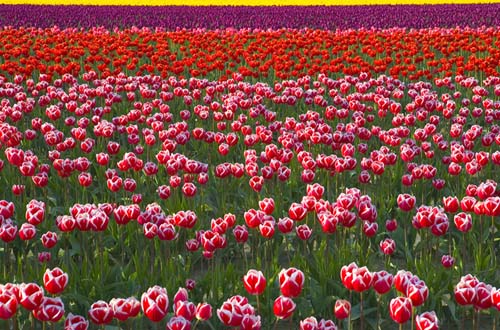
column 236, row 311
column 285, row 53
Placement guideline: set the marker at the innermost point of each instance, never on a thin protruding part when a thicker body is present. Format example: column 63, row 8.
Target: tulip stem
column 275, row 323
column 464, row 259
column 478, row 311
column 378, row 311
column 361, row 316
column 474, row 320
column 492, row 240
column 400, row 326
column 349, row 318
column 5, row 260
column 258, row 304
column 412, row 317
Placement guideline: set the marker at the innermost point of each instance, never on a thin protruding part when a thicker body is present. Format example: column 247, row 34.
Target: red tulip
column 361, row 279
column 495, row 298
column 447, row 261
column 186, row 309
column 291, row 282
column 50, row 310
column 18, row 189
column 303, row 232
column 254, row 282
column 315, row 190
column 401, row 280
column 417, row 291
column 123, row 309
column 370, row 228
column 203, row 311
column 114, row 183
column 492, row 206
column 189, row 189
column 101, row 312
column 486, row 189
column 391, row 225
column 44, row 257
column 267, row 205
column 285, row 225
column 166, row 232
column 450, row 204
column 406, row 202
column 150, row 230
column 178, row 323
column 483, row 296
column 267, row 228
column 250, row 322
column 230, row 314
column 400, row 309
column 35, row 212
column 30, row 295
column 342, row 309
column 181, row 295
column 283, row 307
column 75, row 322
column 154, row 303
column 427, row 321
column 465, row 290
column 309, row 323
column 326, row 325
column 8, row 304
column 256, row 183
column 297, row 212
column 388, row 246
column 85, row 179
column 27, row 231
column 463, row 221
column 55, row 280
column 382, row 281
column 49, row 239
column 240, row 233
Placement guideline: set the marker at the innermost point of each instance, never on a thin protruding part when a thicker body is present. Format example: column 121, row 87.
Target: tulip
column 31, row 296
column 123, row 309
column 75, row 322
column 203, row 311
column 178, row 323
column 50, row 310
column 186, row 309
column 101, row 313
column 447, row 261
column 49, row 239
column 8, row 304
column 283, row 307
column 400, row 309
column 406, row 202
column 254, row 282
column 154, row 303
column 382, row 281
column 230, row 314
column 291, row 281
column 55, row 280
column 427, row 321
column 342, row 309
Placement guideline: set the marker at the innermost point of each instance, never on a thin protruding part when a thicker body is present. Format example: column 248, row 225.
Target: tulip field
column 228, row 168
